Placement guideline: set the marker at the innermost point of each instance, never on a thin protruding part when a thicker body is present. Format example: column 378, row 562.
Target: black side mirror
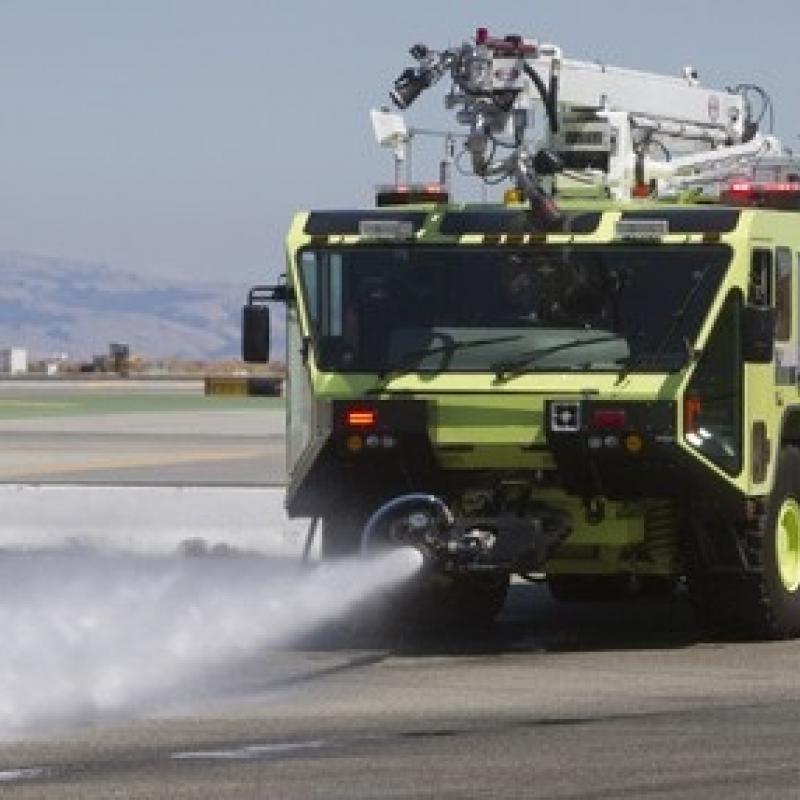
column 758, row 334
column 255, row 334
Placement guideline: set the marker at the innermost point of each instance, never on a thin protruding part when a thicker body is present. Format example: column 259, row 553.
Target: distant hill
column 53, row 305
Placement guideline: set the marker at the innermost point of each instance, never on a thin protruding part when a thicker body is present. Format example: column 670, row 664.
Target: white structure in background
column 13, row 361
column 53, row 364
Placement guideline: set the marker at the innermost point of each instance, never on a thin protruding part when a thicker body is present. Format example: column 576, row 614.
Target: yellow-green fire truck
column 593, row 382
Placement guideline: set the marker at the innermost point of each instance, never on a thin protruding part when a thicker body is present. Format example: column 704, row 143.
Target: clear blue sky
column 177, row 136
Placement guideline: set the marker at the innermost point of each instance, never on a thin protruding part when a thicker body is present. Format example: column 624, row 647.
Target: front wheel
column 779, row 601
column 445, row 602
column 478, row 599
column 763, row 601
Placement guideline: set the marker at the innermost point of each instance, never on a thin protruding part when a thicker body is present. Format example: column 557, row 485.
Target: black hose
column 553, row 97
column 548, row 97
column 406, row 502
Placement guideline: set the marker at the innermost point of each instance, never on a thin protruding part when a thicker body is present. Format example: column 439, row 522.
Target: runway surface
column 138, row 434
column 555, row 701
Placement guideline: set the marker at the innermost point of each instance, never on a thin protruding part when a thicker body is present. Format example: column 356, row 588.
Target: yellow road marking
column 35, row 404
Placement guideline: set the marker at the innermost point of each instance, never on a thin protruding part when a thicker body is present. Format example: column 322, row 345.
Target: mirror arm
column 278, row 293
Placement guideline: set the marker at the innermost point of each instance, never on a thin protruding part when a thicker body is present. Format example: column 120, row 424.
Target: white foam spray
column 87, row 634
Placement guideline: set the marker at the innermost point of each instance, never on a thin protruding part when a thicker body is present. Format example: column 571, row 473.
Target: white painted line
column 250, row 751
column 9, row 775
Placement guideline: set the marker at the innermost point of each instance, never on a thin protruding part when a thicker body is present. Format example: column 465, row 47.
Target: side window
column 322, row 279
column 712, row 421
column 783, row 294
column 310, row 270
column 759, row 292
column 335, row 296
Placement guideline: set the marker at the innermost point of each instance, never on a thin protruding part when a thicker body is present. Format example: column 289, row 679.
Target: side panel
column 299, row 407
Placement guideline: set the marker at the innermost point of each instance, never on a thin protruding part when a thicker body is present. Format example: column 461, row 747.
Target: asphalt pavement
column 555, row 701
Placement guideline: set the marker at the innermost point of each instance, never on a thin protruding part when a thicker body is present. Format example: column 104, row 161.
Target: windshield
column 507, row 309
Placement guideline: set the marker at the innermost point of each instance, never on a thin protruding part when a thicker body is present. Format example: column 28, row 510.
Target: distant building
column 13, row 360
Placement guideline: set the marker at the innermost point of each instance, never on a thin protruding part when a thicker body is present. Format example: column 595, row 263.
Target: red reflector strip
column 361, row 418
column 608, row 418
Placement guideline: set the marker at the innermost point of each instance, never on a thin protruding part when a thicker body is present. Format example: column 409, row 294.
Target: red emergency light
column 764, row 194
column 511, row 45
column 360, row 417
column 406, row 194
column 614, row 418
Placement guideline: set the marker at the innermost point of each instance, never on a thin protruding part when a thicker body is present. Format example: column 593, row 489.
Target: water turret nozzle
column 414, row 80
column 408, row 87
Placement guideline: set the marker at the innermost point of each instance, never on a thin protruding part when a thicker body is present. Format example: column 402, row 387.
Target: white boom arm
column 678, row 106
column 617, row 130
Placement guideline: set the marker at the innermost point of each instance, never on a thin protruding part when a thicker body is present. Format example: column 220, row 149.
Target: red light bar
column 615, row 418
column 361, row 417
column 511, row 45
column 769, row 194
column 404, row 194
column 747, row 187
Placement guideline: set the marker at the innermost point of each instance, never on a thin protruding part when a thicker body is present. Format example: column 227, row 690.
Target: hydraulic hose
column 552, row 97
column 405, row 502
column 548, row 97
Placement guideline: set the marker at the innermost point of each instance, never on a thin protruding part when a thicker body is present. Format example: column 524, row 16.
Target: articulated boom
column 616, row 132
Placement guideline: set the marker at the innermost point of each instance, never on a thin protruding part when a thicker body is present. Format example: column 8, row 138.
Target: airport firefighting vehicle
column 592, row 382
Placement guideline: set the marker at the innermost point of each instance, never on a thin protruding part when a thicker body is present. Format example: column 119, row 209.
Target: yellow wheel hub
column 787, row 544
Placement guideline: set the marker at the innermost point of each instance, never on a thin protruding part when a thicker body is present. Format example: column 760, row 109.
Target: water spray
column 89, row 636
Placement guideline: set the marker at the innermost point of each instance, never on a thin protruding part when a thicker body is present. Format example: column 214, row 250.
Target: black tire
column 757, row 602
column 439, row 603
column 478, row 599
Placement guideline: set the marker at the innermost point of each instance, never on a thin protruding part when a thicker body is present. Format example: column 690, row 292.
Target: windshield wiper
column 511, row 369
column 629, row 364
column 411, row 359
